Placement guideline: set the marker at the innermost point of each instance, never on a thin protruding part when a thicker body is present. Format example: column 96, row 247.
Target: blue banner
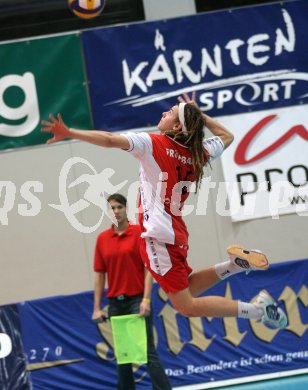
column 237, row 60
column 67, row 351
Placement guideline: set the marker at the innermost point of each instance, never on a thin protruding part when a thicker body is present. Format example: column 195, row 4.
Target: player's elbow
column 109, row 143
column 228, row 139
column 118, row 141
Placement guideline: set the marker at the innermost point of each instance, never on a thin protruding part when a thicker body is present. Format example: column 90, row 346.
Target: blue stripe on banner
column 67, row 351
column 257, row 61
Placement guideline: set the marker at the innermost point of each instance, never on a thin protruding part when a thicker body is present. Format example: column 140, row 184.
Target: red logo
column 246, row 142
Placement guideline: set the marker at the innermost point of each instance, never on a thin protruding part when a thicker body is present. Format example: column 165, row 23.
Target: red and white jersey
column 166, row 173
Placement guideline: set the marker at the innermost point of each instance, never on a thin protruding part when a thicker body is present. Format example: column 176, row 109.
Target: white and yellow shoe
column 273, row 316
column 247, row 259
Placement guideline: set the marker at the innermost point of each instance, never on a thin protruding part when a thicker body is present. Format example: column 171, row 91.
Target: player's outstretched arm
column 61, row 131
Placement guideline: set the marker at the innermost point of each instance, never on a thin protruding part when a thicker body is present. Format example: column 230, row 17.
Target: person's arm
column 145, row 306
column 216, row 128
column 61, row 131
column 99, row 286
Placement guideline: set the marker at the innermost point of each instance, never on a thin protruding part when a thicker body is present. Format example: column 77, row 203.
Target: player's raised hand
column 57, row 127
column 185, row 98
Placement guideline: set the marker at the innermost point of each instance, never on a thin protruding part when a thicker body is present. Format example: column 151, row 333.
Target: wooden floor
column 298, row 382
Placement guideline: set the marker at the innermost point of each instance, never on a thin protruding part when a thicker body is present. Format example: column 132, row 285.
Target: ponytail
column 193, row 139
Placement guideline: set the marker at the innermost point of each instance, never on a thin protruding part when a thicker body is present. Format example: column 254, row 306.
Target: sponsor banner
column 13, row 373
column 266, row 166
column 67, row 351
column 257, row 61
column 39, row 77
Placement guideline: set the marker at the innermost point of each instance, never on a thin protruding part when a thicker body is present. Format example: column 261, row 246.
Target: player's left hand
column 57, row 127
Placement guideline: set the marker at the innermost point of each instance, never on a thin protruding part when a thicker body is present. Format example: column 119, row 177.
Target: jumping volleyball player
column 172, row 160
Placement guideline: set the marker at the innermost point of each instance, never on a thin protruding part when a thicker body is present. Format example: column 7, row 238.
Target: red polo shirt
column 119, row 257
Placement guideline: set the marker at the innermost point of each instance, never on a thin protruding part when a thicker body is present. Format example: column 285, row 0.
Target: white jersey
column 166, row 173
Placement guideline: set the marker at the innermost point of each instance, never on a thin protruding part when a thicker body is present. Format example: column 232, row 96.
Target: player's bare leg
column 263, row 309
column 239, row 260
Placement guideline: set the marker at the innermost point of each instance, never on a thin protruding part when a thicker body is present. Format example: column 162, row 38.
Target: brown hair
column 193, row 139
column 118, row 198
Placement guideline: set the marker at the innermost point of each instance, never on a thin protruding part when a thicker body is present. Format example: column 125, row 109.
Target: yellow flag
column 130, row 339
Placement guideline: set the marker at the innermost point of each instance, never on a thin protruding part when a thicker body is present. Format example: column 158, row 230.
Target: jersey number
column 183, row 176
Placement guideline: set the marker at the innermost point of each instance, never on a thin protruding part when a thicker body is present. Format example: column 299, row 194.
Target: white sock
column 226, row 269
column 249, row 310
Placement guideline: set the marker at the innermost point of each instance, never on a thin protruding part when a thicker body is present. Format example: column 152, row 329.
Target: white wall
column 44, row 255
column 163, row 9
